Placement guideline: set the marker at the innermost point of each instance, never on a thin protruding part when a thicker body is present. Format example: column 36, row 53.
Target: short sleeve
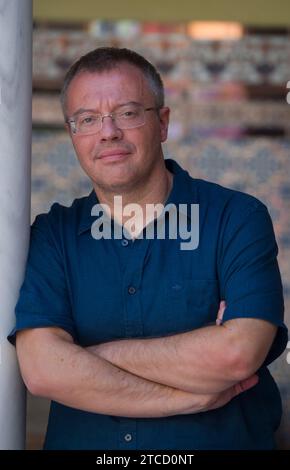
column 249, row 273
column 44, row 299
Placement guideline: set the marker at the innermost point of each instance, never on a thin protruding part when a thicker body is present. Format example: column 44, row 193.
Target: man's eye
column 87, row 120
column 128, row 114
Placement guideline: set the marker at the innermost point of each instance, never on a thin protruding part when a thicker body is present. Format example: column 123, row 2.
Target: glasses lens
column 129, row 116
column 88, row 123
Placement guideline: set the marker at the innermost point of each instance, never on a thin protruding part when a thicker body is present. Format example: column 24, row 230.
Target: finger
column 229, row 394
column 223, row 398
column 246, row 384
column 220, row 314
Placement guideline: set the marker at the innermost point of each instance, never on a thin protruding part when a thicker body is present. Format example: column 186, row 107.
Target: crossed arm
column 207, row 360
column 185, row 373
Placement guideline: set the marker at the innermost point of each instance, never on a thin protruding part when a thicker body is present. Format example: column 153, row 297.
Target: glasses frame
column 72, row 122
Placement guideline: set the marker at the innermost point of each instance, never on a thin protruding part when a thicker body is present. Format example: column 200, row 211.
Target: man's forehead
column 121, row 82
column 123, row 74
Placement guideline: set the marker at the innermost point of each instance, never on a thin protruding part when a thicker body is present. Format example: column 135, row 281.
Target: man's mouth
column 113, row 154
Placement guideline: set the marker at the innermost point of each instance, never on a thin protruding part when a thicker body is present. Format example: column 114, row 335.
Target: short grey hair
column 107, row 58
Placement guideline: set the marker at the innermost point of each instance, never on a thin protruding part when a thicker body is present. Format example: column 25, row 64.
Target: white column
column 15, row 151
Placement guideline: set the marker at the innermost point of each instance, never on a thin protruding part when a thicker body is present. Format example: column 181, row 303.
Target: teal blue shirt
column 104, row 290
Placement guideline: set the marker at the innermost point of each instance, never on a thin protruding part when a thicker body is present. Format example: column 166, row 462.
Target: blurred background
column 226, row 67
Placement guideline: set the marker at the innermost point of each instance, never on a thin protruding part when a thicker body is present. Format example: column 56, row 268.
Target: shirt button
column 128, row 437
column 124, row 242
column 131, row 290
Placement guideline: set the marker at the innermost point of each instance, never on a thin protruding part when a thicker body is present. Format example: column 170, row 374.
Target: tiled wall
column 251, row 58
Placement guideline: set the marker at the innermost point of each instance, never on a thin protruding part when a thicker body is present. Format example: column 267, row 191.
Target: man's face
column 118, row 159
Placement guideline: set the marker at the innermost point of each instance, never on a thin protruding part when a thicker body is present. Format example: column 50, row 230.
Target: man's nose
column 109, row 130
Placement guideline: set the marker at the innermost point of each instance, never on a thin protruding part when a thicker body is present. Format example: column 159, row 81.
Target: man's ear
column 164, row 122
column 68, row 128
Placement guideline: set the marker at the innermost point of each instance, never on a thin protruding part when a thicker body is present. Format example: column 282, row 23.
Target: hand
column 219, row 318
column 224, row 397
column 209, row 402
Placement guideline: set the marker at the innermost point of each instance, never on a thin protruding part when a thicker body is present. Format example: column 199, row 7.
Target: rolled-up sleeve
column 249, row 273
column 43, row 300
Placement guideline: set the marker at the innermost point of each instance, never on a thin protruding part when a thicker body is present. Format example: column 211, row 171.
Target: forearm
column 97, row 386
column 199, row 361
column 73, row 376
column 188, row 361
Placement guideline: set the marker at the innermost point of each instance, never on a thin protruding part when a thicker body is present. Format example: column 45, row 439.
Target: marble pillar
column 15, row 152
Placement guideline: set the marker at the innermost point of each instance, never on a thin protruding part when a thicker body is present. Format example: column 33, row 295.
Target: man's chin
column 116, row 185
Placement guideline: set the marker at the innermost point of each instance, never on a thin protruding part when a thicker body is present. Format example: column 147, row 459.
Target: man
column 119, row 332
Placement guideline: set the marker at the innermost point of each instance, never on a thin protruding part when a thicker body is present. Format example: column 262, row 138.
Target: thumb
column 220, row 314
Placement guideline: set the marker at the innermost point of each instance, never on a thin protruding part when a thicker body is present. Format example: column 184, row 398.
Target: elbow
column 243, row 368
column 36, row 385
column 241, row 364
column 33, row 347
column 35, row 382
column 33, row 376
column 247, row 344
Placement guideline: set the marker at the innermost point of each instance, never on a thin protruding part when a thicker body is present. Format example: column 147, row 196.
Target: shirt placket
column 133, row 256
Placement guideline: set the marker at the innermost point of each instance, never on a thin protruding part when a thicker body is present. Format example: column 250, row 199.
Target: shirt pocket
column 191, row 304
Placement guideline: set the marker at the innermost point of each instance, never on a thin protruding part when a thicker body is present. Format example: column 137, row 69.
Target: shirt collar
column 86, row 219
column 182, row 192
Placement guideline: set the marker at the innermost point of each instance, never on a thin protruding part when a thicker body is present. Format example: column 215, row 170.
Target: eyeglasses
column 126, row 116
